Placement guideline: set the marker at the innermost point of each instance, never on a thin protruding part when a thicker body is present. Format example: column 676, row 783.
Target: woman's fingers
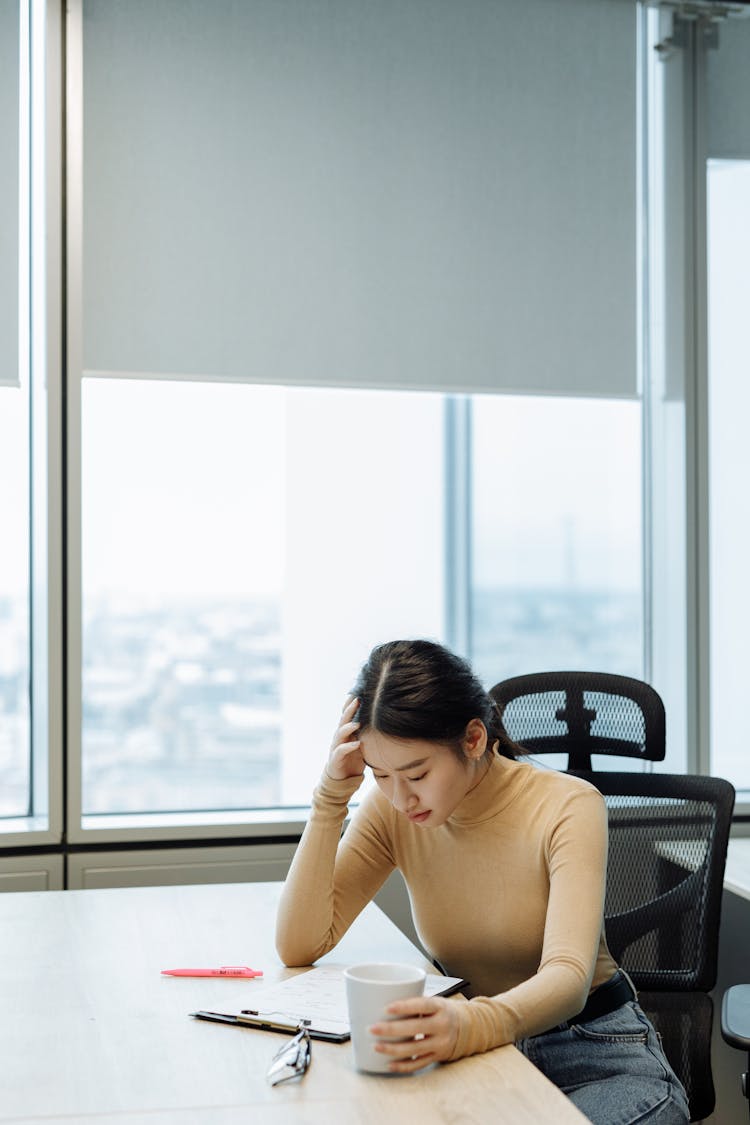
column 416, row 1006
column 397, row 1030
column 416, row 1062
column 351, row 703
column 425, row 1032
column 412, row 1052
column 345, row 758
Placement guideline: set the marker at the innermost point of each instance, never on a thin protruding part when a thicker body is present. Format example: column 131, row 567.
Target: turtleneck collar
column 501, row 784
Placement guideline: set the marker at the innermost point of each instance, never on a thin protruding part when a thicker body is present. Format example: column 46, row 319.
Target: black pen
column 267, row 1022
column 248, row 1019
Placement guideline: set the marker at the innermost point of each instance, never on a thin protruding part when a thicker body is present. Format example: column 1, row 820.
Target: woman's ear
column 475, row 739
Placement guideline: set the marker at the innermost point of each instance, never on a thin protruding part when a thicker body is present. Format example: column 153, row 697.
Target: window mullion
column 458, row 524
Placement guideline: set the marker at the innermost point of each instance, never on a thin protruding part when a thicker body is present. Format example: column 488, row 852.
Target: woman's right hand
column 345, row 758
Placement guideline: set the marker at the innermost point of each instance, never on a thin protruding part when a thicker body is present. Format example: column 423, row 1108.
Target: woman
column 505, row 864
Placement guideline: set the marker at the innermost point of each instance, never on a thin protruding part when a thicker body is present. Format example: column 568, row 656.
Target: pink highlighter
column 234, row 971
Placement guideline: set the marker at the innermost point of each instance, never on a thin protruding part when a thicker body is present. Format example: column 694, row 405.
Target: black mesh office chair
column 668, row 836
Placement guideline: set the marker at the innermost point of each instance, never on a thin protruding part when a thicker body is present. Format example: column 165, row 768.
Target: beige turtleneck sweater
column 508, row 893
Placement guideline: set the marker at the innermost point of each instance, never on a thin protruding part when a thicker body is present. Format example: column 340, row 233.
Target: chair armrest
column 735, row 1016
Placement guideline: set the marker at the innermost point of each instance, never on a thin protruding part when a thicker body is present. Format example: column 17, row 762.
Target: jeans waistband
column 606, row 998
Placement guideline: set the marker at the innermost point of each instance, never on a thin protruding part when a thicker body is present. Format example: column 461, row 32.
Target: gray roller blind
column 728, row 93
column 8, row 192
column 401, row 193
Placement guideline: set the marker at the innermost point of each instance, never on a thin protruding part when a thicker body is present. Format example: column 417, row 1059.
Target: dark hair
column 420, row 690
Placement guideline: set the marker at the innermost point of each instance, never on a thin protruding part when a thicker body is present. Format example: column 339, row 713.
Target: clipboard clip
column 263, row 1021
column 275, row 1021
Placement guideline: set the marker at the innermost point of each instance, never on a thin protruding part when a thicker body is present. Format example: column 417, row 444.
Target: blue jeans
column 612, row 1068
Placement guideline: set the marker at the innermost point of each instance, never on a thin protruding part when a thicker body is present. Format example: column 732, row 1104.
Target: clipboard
column 315, row 1000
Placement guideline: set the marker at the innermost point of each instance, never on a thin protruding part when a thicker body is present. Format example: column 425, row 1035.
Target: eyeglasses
column 292, row 1060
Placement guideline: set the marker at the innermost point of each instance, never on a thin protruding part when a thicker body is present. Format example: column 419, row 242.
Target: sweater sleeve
column 576, row 856
column 331, row 878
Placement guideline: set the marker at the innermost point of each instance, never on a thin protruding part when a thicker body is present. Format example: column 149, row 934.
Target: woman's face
column 425, row 781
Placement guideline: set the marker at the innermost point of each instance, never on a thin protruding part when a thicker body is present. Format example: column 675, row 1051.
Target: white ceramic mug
column 369, row 991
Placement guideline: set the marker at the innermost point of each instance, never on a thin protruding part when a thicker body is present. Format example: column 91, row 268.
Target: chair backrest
column 668, row 837
column 583, row 713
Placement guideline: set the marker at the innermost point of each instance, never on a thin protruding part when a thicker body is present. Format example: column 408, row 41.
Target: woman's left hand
column 424, row 1031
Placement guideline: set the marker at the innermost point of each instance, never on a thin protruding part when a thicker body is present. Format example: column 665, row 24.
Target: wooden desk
column 91, row 1033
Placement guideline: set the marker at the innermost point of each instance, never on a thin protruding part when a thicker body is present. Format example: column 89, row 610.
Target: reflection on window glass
column 243, row 548
column 556, row 545
column 729, row 462
column 14, row 604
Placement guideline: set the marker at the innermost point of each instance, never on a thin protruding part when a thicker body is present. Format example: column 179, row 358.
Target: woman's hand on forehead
column 345, row 756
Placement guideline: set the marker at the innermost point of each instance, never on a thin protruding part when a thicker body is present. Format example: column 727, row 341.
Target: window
column 246, row 516
column 727, row 397
column 30, row 427
column 15, row 646
column 243, row 548
column 729, row 405
column 557, row 551
column 14, row 604
column 325, row 215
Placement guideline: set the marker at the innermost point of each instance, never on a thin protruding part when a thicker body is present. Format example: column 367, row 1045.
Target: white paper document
column 318, row 997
